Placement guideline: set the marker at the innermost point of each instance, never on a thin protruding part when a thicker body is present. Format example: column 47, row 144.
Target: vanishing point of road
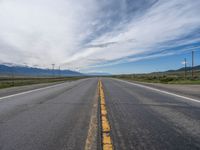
column 67, row 116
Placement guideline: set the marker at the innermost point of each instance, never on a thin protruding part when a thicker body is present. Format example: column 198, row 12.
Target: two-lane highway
column 53, row 118
column 65, row 116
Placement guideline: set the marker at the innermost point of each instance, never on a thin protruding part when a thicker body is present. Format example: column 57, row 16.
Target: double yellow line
column 106, row 138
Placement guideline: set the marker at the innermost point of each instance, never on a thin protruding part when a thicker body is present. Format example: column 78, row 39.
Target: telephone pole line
column 13, row 75
column 185, row 62
column 53, row 65
column 59, row 72
column 192, row 64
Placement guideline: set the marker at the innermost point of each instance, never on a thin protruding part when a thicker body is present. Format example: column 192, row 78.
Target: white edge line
column 30, row 91
column 161, row 91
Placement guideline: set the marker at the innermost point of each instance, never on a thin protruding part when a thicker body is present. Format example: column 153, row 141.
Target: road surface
column 142, row 118
column 55, row 118
column 59, row 117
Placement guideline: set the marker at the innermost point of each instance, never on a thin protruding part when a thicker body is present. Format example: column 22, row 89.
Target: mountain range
column 98, row 74
column 30, row 71
column 6, row 69
column 187, row 69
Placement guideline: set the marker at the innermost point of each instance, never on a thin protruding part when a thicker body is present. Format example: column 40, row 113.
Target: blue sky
column 115, row 36
column 153, row 65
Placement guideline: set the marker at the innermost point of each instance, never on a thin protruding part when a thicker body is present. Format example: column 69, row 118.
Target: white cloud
column 86, row 33
column 42, row 32
column 165, row 21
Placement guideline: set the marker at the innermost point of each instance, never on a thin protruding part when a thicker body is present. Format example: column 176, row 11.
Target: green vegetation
column 6, row 82
column 164, row 77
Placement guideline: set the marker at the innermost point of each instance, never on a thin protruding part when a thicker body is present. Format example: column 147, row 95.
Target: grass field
column 156, row 77
column 6, row 82
column 164, row 77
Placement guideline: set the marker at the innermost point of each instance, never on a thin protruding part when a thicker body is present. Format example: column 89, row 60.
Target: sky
column 113, row 36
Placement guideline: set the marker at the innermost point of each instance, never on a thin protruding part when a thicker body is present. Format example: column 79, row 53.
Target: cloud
column 44, row 31
column 102, row 45
column 92, row 33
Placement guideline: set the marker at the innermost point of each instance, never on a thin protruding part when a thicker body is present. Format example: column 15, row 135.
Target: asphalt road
column 52, row 118
column 59, row 117
column 142, row 118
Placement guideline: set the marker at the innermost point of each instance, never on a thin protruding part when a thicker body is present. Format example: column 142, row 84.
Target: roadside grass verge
column 165, row 78
column 6, row 82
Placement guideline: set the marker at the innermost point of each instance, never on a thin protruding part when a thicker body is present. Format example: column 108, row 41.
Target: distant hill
column 187, row 68
column 29, row 71
column 98, row 74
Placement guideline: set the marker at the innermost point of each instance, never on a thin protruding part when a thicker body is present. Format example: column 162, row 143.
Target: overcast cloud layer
column 93, row 33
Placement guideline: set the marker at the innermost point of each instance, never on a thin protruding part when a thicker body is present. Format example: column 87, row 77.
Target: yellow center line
column 106, row 138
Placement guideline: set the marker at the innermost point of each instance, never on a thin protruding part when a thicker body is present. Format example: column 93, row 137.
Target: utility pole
column 13, row 76
column 192, row 64
column 37, row 71
column 185, row 62
column 59, row 72
column 53, row 65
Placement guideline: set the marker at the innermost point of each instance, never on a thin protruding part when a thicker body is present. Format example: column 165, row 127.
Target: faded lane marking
column 105, row 133
column 161, row 91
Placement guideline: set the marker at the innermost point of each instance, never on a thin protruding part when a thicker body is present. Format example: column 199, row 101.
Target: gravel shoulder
column 19, row 89
column 192, row 91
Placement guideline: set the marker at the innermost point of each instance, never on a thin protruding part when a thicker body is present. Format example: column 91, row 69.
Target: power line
column 192, row 64
column 53, row 65
column 59, row 71
column 185, row 62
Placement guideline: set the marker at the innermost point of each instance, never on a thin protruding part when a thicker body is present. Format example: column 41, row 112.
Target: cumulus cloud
column 92, row 33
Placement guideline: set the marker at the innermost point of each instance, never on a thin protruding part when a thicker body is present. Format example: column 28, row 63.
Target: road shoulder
column 21, row 89
column 192, row 91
